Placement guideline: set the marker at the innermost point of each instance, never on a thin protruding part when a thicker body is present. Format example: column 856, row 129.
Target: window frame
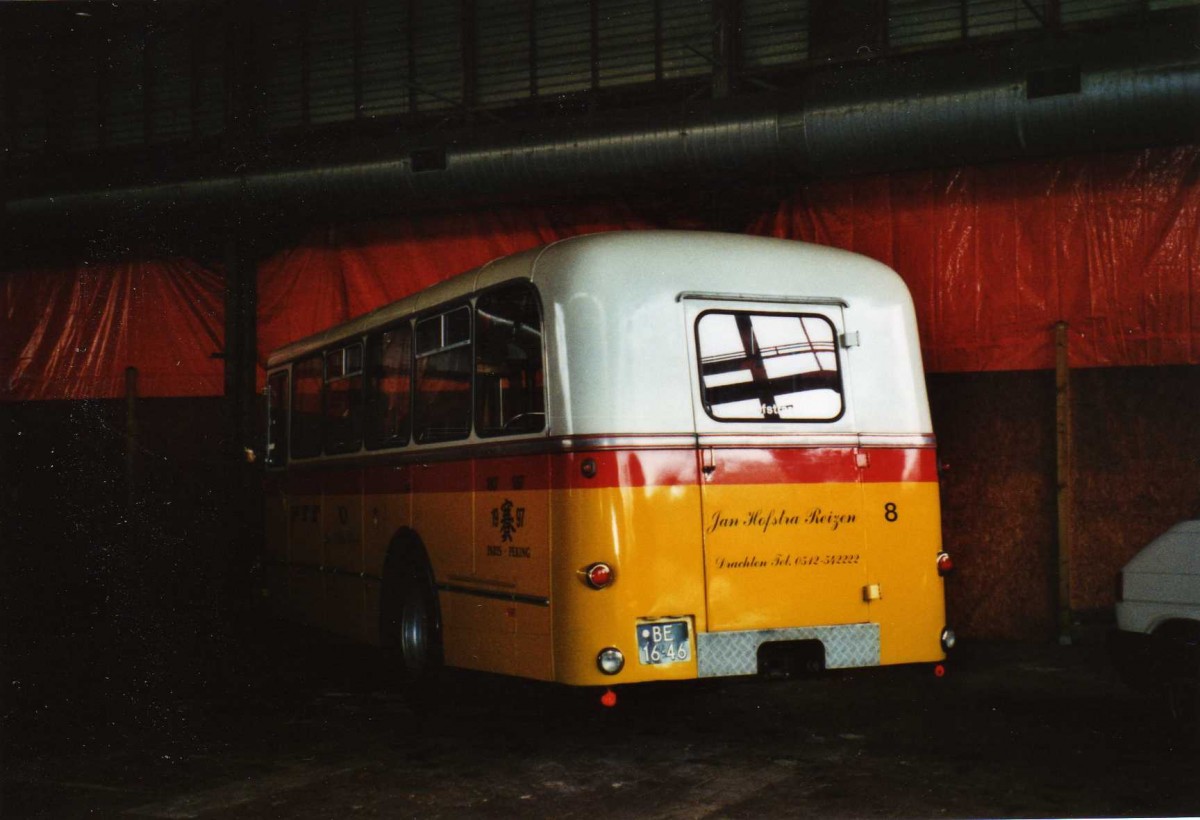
column 372, row 395
column 537, row 301
column 304, row 453
column 443, row 311
column 751, row 312
column 355, row 443
column 451, row 315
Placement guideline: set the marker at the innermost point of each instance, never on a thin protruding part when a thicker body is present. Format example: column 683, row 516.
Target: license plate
column 663, row 642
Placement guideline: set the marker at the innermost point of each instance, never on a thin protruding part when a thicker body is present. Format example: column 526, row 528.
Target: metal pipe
column 1106, row 92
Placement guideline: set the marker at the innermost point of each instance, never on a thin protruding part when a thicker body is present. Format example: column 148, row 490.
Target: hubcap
column 414, row 634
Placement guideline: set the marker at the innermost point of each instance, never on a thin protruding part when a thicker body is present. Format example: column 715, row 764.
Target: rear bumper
column 722, row 654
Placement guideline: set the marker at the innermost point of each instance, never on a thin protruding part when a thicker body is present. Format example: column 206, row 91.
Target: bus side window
column 442, row 410
column 343, row 399
column 389, row 387
column 307, row 380
column 509, row 384
column 277, row 397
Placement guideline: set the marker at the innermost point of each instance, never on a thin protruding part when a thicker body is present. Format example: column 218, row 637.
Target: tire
column 410, row 622
column 1181, row 696
column 1179, row 680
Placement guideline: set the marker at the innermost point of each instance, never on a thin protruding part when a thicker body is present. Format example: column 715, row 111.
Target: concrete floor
column 1013, row 730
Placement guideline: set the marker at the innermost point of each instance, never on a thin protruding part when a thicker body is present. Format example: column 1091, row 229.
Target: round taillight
column 598, row 575
column 611, row 661
column 945, row 563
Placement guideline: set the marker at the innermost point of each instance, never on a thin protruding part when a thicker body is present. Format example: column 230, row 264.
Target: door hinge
column 872, row 592
column 850, row 339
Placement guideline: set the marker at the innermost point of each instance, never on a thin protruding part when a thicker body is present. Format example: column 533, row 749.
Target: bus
column 618, row 458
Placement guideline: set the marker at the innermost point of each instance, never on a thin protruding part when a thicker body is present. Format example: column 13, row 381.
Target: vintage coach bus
column 618, row 458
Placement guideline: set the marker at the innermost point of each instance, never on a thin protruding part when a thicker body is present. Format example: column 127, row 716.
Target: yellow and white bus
column 618, row 458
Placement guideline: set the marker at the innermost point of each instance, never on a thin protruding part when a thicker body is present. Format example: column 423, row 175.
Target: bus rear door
column 782, row 524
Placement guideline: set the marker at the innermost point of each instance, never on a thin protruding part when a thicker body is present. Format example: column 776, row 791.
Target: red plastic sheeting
column 996, row 255
column 69, row 333
column 347, row 271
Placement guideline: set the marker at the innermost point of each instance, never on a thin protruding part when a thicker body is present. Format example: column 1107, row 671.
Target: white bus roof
column 618, row 342
column 809, row 270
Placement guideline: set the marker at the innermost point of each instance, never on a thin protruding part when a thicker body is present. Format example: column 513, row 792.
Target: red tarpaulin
column 69, row 333
column 347, row 271
column 994, row 256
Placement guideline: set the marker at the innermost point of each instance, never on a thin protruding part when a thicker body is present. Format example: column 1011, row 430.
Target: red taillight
column 945, row 563
column 598, row 575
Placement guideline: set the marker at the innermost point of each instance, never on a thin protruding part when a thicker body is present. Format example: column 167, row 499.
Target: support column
column 726, row 47
column 131, row 443
column 241, row 340
column 242, row 544
column 1062, row 415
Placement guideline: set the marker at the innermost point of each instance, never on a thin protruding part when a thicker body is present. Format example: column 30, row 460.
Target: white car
column 1157, row 641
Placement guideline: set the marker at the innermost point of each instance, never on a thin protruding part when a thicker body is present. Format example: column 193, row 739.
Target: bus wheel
column 411, row 623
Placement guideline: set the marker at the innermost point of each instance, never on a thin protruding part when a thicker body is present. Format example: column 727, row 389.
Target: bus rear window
column 768, row 367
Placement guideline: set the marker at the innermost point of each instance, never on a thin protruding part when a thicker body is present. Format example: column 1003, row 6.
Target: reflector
column 599, row 575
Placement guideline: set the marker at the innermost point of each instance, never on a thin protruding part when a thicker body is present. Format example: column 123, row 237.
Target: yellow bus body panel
column 649, row 535
column 773, row 560
column 911, row 610
column 733, row 557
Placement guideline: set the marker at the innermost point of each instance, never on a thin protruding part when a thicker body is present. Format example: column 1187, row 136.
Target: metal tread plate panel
column 722, row 654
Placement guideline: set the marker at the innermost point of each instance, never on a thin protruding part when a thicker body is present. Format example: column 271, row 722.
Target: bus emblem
column 508, row 518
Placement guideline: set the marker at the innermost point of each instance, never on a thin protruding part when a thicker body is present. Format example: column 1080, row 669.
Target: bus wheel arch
column 410, row 618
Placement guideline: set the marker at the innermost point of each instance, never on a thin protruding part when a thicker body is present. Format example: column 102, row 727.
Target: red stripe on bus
column 623, row 468
column 894, row 465
column 443, row 476
column 627, row 468
column 305, row 482
column 513, row 473
column 331, row 481
column 343, row 482
column 834, row 465
column 822, row 465
column 388, row 478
